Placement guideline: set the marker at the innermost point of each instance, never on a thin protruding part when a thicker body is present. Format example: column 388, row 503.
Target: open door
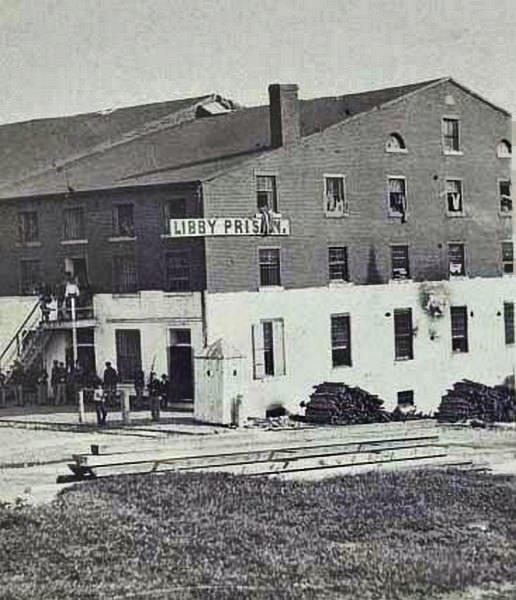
column 180, row 361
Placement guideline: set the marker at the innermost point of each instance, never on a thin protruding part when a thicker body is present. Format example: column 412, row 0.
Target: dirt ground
column 37, row 443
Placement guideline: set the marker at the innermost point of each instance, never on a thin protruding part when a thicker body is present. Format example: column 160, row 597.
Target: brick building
column 365, row 238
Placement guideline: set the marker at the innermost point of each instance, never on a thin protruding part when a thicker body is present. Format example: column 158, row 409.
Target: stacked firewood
column 469, row 400
column 340, row 404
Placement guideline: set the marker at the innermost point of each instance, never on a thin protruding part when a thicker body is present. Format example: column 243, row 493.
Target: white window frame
column 459, row 135
column 464, row 336
column 390, row 150
column 260, row 173
column 507, row 149
column 278, row 349
column 395, row 215
column 453, row 213
column 344, row 210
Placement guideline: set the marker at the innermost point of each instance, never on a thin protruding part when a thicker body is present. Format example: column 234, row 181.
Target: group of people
column 67, row 380
column 105, row 391
column 57, row 305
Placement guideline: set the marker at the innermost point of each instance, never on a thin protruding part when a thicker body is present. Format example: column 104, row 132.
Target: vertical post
column 126, row 410
column 81, row 407
column 74, row 330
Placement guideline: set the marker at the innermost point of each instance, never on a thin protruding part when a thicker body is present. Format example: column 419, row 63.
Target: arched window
column 395, row 143
column 504, row 149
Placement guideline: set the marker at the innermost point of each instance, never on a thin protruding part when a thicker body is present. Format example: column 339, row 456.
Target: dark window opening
column 335, row 196
column 459, row 328
column 508, row 320
column 338, row 263
column 340, row 340
column 508, row 257
column 28, row 228
column 454, row 203
column 505, row 196
column 124, row 274
column 173, row 209
column 406, row 398
column 123, row 220
column 403, row 334
column 397, row 197
column 400, row 262
column 73, row 224
column 30, row 273
column 451, row 135
column 456, row 266
column 178, row 271
column 128, row 353
column 269, row 261
column 268, row 348
column 395, row 143
column 266, row 192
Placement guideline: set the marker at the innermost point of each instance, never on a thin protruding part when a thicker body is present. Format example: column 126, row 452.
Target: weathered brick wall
column 357, row 150
column 149, row 246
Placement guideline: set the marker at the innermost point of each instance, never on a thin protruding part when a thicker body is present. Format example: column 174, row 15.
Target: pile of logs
column 469, row 400
column 340, row 404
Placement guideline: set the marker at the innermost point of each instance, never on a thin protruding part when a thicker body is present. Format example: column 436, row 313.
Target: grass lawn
column 409, row 535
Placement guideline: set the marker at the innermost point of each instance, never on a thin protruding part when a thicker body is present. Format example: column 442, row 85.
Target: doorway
column 180, row 365
column 78, row 268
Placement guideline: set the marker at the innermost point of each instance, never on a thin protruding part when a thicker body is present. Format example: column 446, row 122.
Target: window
column 338, row 263
column 508, row 257
column 28, row 229
column 406, row 398
column 403, row 348
column 335, row 204
column 123, row 221
column 451, row 135
column 173, row 209
column 128, row 353
column 340, row 341
column 397, row 197
column 30, row 277
column 400, row 262
column 459, row 328
column 266, row 192
column 124, row 274
column 505, row 196
column 395, row 143
column 508, row 321
column 268, row 348
column 456, row 266
column 178, row 271
column 454, row 204
column 73, row 223
column 269, row 260
column 504, row 149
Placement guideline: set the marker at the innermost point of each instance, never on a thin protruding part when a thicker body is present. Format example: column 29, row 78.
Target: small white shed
column 218, row 384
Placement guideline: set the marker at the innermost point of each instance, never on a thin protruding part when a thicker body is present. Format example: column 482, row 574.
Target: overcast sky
column 68, row 56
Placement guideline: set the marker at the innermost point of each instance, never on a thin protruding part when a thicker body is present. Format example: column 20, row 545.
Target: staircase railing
column 14, row 348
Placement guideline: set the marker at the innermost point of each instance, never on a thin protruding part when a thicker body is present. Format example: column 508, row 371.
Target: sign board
column 218, row 226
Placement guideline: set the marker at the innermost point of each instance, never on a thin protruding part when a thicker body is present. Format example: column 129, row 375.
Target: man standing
column 54, row 375
column 110, row 381
column 139, row 386
column 154, row 388
column 2, row 390
column 61, row 384
column 42, row 386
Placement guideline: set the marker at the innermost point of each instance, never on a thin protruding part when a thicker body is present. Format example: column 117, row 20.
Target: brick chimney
column 284, row 114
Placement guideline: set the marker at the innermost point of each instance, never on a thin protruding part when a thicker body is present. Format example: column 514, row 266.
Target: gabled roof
column 152, row 145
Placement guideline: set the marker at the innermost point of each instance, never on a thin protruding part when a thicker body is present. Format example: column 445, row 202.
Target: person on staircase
column 18, row 379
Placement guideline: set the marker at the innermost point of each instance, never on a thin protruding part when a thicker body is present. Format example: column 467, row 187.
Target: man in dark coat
column 110, row 381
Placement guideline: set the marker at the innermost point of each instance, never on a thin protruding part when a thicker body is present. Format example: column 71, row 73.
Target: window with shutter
column 459, row 328
column 403, row 334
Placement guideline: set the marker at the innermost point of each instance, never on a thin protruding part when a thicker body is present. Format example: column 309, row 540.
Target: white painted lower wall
column 153, row 313
column 306, row 314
